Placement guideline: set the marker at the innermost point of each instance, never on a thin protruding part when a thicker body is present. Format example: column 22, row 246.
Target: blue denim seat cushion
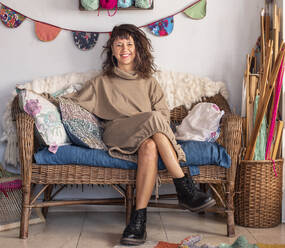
column 197, row 153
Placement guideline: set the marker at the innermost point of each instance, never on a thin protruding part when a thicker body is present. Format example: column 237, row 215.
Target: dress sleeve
column 158, row 100
column 86, row 97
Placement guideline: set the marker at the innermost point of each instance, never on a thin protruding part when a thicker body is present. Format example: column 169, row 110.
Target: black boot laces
column 137, row 223
column 190, row 186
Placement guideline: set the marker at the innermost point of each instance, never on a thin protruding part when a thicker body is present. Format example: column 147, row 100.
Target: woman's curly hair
column 144, row 61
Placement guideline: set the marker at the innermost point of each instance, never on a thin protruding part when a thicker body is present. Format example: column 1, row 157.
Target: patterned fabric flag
column 46, row 32
column 10, row 18
column 163, row 27
column 197, row 11
column 85, row 40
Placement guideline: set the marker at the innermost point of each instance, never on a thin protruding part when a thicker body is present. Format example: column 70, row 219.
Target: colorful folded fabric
column 10, row 186
column 90, row 4
column 143, row 4
column 125, row 3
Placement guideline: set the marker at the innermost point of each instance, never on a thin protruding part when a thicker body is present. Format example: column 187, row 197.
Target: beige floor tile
column 155, row 228
column 101, row 230
column 275, row 235
column 105, row 229
column 147, row 244
column 60, row 230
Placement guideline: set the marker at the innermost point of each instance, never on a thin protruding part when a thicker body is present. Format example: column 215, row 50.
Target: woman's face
column 125, row 52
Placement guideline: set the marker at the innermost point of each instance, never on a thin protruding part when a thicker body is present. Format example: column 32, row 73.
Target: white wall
column 214, row 47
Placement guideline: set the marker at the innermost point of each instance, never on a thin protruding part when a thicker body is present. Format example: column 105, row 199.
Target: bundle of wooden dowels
column 262, row 86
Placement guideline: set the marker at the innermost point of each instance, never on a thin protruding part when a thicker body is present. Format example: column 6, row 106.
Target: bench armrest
column 232, row 142
column 25, row 133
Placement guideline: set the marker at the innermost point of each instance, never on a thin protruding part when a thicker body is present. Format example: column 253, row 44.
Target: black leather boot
column 190, row 197
column 135, row 232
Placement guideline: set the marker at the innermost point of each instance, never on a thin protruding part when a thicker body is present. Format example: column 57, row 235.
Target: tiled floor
column 103, row 230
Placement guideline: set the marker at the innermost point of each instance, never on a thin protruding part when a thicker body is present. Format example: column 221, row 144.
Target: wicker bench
column 219, row 179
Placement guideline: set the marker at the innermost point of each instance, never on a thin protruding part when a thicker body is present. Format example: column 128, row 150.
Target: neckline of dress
column 126, row 75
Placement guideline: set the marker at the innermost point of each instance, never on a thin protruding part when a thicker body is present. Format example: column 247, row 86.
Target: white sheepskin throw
column 179, row 89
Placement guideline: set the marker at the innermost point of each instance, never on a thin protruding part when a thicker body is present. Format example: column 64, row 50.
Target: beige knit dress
column 133, row 108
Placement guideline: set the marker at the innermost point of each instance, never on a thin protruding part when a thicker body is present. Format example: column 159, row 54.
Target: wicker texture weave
column 49, row 175
column 259, row 194
column 10, row 200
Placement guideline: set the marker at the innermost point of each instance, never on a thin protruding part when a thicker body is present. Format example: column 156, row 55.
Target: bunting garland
column 87, row 40
column 163, row 27
column 197, row 11
column 11, row 18
column 46, row 32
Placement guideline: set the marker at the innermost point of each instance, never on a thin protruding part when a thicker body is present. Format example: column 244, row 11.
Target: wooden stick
column 262, row 37
column 244, row 132
column 253, row 79
column 252, row 86
column 276, row 30
column 252, row 64
column 246, row 82
column 267, row 28
column 269, row 52
column 274, row 110
column 263, row 107
column 280, row 126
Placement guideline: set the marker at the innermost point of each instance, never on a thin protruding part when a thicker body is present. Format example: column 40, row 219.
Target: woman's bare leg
column 146, row 172
column 188, row 196
column 168, row 155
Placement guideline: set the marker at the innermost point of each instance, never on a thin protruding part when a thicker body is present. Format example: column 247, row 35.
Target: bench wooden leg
column 26, row 211
column 47, row 195
column 230, row 210
column 129, row 202
column 230, row 224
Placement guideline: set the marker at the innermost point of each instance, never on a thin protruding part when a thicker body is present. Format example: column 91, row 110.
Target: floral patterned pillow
column 82, row 127
column 47, row 118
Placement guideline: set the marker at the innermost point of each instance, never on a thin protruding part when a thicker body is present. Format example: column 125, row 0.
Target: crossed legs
column 188, row 196
column 147, row 166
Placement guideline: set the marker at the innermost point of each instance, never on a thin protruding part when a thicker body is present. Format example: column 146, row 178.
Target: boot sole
column 131, row 242
column 208, row 204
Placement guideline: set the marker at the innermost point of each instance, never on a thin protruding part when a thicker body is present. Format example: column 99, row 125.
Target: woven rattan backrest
column 177, row 114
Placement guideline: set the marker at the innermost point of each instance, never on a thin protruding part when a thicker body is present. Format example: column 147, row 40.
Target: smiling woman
column 129, row 47
column 137, row 123
column 124, row 52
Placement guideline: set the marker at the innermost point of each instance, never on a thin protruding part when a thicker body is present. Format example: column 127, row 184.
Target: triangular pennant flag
column 85, row 40
column 197, row 11
column 46, row 32
column 10, row 18
column 163, row 27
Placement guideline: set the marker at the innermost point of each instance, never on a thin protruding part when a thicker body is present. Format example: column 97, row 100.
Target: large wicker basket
column 258, row 193
column 11, row 202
